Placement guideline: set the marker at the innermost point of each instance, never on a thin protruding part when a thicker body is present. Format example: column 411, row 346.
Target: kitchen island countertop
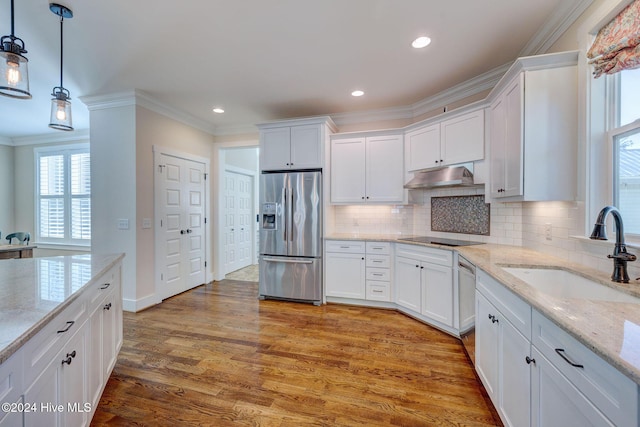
column 34, row 290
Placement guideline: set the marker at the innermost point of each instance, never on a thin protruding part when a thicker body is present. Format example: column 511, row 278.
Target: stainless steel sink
column 565, row 284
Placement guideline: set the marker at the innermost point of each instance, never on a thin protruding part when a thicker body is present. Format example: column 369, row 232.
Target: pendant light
column 60, row 105
column 14, row 73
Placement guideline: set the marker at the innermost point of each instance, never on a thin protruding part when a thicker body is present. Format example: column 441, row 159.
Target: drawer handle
column 560, row 351
column 345, row 247
column 493, row 318
column 105, row 286
column 530, row 360
column 69, row 325
column 377, row 248
column 379, row 261
column 378, row 274
column 377, row 291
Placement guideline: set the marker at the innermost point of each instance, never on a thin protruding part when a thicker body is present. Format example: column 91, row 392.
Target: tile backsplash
column 460, row 214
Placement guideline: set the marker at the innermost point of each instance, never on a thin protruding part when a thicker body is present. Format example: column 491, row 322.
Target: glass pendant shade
column 14, row 71
column 60, row 111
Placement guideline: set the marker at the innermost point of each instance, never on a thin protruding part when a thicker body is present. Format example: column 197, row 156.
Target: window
column 63, row 184
column 625, row 137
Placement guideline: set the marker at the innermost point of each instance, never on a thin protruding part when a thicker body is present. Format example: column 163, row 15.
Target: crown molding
column 143, row 99
column 556, row 25
column 111, row 100
column 51, row 138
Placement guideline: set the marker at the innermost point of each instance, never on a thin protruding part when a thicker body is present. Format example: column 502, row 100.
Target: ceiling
column 268, row 60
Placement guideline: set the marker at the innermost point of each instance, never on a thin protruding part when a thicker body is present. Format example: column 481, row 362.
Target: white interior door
column 238, row 212
column 181, row 212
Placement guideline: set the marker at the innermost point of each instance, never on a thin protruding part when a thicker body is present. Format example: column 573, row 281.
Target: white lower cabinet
column 558, row 402
column 501, row 352
column 538, row 375
column 408, row 284
column 358, row 270
column 345, row 269
column 424, row 282
column 59, row 393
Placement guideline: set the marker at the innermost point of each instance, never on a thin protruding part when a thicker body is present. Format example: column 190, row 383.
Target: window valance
column 617, row 45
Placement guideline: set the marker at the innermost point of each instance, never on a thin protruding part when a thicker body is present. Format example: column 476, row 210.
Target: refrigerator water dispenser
column 269, row 216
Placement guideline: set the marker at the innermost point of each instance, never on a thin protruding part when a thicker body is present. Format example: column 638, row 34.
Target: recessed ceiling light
column 218, row 110
column 357, row 93
column 421, row 42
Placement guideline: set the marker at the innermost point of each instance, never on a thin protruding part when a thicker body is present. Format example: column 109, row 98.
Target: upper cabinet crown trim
column 530, row 63
column 317, row 120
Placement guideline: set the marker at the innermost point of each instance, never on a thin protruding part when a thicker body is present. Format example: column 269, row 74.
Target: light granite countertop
column 609, row 329
column 34, row 290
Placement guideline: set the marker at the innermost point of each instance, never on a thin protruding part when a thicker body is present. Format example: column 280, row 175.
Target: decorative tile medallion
column 460, row 214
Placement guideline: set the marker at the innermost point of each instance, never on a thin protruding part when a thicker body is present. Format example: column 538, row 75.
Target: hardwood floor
column 217, row 356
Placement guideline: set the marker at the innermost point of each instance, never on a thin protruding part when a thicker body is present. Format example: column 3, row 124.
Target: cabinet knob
column 493, row 318
column 107, row 307
column 529, row 360
column 422, row 267
column 367, row 197
column 363, row 258
column 417, row 266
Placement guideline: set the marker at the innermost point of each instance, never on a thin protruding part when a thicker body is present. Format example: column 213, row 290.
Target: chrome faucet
column 620, row 255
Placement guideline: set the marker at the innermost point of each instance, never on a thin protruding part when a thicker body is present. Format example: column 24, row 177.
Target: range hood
column 458, row 176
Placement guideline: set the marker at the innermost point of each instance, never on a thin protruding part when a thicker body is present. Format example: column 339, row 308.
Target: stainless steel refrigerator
column 291, row 236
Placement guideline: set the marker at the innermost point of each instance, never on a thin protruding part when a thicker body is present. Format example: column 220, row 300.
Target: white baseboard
column 138, row 305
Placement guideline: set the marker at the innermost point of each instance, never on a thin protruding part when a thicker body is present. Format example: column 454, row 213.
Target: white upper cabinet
column 422, row 147
column 459, row 139
column 534, row 129
column 294, row 144
column 367, row 169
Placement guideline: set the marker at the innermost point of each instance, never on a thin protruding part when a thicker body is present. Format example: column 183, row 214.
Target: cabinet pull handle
column 560, row 352
column 69, row 325
column 377, row 247
column 378, row 274
column 493, row 318
column 107, row 307
column 345, row 247
column 375, row 291
column 529, row 360
column 377, row 260
column 69, row 358
column 105, row 286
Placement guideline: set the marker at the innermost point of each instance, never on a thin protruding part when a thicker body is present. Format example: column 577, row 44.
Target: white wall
column 6, row 191
column 113, row 189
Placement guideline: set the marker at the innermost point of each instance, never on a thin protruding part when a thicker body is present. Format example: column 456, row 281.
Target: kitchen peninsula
column 60, row 333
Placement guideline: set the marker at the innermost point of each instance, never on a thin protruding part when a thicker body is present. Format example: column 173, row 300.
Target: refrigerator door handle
column 289, row 260
column 291, row 207
column 284, row 205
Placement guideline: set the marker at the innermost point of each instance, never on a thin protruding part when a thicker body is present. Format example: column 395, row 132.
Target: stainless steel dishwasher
column 467, row 301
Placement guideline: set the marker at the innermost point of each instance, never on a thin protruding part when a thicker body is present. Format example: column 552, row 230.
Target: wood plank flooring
column 217, row 356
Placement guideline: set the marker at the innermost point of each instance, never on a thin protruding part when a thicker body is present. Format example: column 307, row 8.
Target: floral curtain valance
column 617, row 45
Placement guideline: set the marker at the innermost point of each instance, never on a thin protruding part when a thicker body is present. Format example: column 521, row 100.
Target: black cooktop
column 439, row 241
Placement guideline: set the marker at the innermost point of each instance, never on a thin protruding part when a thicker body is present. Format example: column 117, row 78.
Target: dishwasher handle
column 467, row 267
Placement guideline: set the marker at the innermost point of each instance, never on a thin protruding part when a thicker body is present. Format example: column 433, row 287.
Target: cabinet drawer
column 378, row 291
column 612, row 392
column 423, row 253
column 40, row 350
column 379, row 248
column 379, row 261
column 378, row 274
column 101, row 287
column 345, row 246
column 509, row 304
